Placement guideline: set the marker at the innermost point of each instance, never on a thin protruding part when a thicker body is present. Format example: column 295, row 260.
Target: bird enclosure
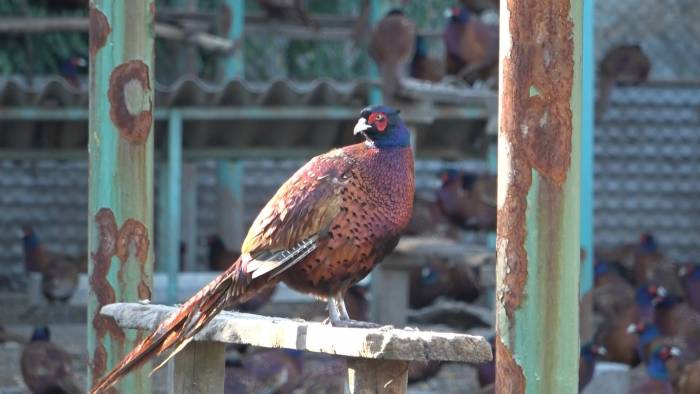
column 550, row 246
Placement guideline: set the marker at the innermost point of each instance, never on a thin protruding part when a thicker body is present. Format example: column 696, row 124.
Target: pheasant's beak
column 675, row 352
column 361, row 126
column 632, row 328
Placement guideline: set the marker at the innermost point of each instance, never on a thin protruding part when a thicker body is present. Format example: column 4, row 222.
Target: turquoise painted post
column 233, row 65
column 230, row 180
column 375, row 93
column 587, row 167
column 161, row 219
column 120, row 207
column 174, row 201
column 492, row 164
column 587, row 136
column 539, row 168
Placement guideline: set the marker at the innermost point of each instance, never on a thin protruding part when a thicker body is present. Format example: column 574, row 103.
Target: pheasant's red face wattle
column 378, row 120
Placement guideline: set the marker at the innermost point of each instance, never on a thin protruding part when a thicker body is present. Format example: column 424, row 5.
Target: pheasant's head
column 382, row 127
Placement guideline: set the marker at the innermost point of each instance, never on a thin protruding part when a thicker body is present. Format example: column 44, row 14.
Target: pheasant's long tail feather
column 231, row 285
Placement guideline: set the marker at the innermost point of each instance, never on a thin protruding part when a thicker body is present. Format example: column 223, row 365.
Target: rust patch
column 225, row 20
column 107, row 233
column 99, row 30
column 131, row 108
column 99, row 362
column 133, row 241
column 144, row 290
column 536, row 123
column 509, row 375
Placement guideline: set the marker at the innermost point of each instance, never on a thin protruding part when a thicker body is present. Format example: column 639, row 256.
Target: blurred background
column 298, row 73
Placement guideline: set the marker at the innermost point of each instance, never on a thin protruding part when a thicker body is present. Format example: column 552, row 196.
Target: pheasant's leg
column 340, row 301
column 342, row 319
column 333, row 311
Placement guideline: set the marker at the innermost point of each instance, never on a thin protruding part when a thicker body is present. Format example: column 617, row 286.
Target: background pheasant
column 323, row 231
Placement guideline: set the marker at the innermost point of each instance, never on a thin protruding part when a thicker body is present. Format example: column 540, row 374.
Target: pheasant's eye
column 378, row 120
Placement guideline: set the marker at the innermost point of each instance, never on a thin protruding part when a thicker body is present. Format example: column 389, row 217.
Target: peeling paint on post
column 537, row 338
column 121, row 177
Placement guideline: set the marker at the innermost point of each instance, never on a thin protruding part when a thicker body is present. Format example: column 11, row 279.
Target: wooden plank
column 199, row 368
column 376, row 376
column 274, row 332
column 389, row 289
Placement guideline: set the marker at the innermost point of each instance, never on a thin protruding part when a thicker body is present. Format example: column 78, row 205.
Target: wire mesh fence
column 667, row 31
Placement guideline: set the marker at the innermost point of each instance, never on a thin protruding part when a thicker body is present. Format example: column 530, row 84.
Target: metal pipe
column 375, row 93
column 537, row 320
column 233, row 64
column 174, row 190
column 120, row 207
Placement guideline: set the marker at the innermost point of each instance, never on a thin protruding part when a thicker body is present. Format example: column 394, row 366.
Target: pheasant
column 46, row 367
column 391, row 46
column 323, row 231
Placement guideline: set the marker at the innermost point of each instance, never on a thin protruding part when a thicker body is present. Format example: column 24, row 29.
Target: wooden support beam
column 537, row 295
column 199, row 368
column 376, row 376
column 120, row 207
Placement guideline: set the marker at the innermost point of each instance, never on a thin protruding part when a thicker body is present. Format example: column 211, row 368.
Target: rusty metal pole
column 537, row 320
column 120, row 212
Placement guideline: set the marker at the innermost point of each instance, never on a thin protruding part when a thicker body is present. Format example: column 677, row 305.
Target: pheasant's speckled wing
column 297, row 216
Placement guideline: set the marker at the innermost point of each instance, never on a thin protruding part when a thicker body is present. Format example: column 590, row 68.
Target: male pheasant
column 323, row 231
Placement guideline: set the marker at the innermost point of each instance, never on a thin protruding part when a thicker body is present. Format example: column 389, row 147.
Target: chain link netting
column 667, row 31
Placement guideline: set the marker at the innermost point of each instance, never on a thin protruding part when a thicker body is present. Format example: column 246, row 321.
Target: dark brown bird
column 440, row 278
column 622, row 64
column 322, row 232
column 46, row 367
column 658, row 380
column 391, row 47
column 287, row 10
column 423, row 66
column 690, row 279
column 471, row 46
column 590, row 353
column 689, row 381
column 265, row 371
column 468, row 200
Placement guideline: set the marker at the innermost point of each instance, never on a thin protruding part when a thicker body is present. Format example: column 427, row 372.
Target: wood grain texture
column 274, row 332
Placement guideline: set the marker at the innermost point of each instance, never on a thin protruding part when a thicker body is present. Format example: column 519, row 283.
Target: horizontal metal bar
column 208, row 154
column 248, row 113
